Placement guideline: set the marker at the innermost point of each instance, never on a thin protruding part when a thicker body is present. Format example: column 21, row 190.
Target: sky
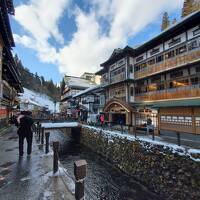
column 57, row 37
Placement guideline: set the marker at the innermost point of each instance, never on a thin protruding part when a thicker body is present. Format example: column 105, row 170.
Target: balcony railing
column 118, row 78
column 173, row 93
column 186, row 58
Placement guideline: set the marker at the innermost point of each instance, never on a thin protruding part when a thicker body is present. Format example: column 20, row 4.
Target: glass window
column 181, row 50
column 140, row 58
column 159, row 58
column 151, row 62
column 196, row 32
column 192, row 45
column 174, row 41
column 154, row 51
column 170, row 54
column 194, row 80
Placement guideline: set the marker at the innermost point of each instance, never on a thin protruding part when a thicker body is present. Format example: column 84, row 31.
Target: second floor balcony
column 191, row 91
column 188, row 57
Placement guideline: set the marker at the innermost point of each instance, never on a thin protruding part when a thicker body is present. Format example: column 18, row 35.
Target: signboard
column 89, row 99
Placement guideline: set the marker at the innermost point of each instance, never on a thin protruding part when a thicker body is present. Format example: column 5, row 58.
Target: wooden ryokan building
column 10, row 84
column 160, row 79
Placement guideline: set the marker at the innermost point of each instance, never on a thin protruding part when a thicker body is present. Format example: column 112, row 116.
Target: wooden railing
column 175, row 93
column 118, row 78
column 184, row 59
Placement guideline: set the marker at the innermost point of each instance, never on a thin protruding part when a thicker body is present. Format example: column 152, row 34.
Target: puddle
column 7, row 164
column 5, row 171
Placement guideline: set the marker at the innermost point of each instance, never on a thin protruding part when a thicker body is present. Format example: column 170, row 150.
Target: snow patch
column 60, row 125
column 37, row 99
column 182, row 151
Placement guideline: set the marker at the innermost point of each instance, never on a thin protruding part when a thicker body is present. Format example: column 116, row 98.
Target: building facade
column 73, row 85
column 10, row 84
column 159, row 79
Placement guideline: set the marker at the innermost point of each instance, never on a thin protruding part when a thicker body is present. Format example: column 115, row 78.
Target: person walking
column 25, row 122
column 102, row 119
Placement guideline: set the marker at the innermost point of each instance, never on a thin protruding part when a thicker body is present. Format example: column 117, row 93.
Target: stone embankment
column 172, row 172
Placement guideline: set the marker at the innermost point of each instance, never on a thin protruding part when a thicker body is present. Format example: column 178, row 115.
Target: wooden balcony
column 178, row 61
column 118, row 78
column 7, row 91
column 175, row 93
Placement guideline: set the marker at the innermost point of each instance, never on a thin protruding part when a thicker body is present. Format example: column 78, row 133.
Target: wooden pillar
column 193, row 121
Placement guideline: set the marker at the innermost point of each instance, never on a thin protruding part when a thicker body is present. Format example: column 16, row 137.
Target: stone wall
column 174, row 174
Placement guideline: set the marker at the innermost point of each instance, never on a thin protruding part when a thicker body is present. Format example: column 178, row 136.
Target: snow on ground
column 181, row 150
column 59, row 125
column 38, row 99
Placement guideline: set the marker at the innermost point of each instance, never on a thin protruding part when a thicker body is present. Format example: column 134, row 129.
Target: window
column 132, row 91
column 170, row 54
column 176, row 74
column 154, row 51
column 194, row 80
column 174, row 41
column 161, row 87
column 196, row 32
column 192, row 45
column 181, row 50
column 198, row 69
column 138, row 59
column 151, row 62
column 159, row 58
column 156, row 79
column 121, row 62
column 131, row 69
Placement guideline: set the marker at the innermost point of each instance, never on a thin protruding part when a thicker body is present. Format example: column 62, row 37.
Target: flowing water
column 103, row 182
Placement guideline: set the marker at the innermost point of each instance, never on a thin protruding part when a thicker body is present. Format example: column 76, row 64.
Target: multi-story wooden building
column 9, row 76
column 160, row 79
column 73, row 85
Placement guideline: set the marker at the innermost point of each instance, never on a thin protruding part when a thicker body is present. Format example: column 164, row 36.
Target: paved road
column 28, row 178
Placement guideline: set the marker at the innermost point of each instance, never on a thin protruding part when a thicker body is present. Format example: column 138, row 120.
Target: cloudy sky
column 54, row 37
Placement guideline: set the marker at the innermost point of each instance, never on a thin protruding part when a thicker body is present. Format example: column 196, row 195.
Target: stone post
column 80, row 174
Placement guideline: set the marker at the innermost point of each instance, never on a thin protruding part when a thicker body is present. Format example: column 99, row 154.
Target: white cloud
column 90, row 44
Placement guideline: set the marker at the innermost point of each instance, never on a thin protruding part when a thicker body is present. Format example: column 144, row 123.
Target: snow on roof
column 181, row 150
column 86, row 90
column 37, row 99
column 72, row 81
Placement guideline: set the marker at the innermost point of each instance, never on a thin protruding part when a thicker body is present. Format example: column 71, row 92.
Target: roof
column 6, row 7
column 172, row 31
column 88, row 90
column 118, row 54
column 77, row 82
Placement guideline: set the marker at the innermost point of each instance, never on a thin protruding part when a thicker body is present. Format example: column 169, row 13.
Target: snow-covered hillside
column 38, row 99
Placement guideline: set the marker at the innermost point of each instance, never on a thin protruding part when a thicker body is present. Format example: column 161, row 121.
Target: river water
column 103, row 182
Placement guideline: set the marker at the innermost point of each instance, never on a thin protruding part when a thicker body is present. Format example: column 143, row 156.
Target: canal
column 103, row 182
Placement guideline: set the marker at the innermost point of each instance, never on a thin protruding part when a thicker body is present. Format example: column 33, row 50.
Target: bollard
column 178, row 139
column 55, row 156
column 80, row 174
column 47, row 134
column 153, row 135
column 42, row 136
column 39, row 131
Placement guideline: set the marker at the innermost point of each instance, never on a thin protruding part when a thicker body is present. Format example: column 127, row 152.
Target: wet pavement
column 28, row 178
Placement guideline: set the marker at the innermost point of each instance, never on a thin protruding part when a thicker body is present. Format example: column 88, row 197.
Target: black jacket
column 25, row 125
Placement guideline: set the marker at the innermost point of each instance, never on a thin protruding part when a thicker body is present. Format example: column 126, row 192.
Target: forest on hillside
column 37, row 83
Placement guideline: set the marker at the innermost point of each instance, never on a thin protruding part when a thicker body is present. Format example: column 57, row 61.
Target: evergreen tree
column 188, row 7
column 165, row 21
column 62, row 86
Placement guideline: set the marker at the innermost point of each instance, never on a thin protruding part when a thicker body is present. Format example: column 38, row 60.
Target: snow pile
column 37, row 99
column 59, row 125
column 181, row 150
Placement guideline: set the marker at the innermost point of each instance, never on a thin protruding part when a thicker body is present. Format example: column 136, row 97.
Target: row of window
column 169, row 85
column 170, row 54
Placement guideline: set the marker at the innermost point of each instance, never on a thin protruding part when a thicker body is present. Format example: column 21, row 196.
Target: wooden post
column 80, row 174
column 39, row 131
column 55, row 156
column 42, row 136
column 178, row 139
column 153, row 135
column 47, row 134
